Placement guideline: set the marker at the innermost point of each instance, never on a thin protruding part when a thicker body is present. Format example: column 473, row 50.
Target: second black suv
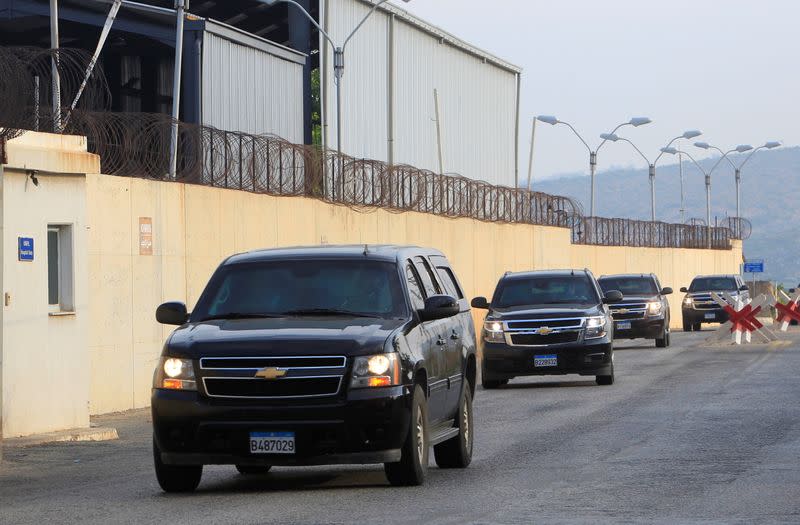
column 312, row 356
column 645, row 311
column 698, row 305
column 547, row 322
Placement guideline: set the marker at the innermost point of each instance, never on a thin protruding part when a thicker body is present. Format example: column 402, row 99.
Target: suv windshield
column 629, row 285
column 303, row 287
column 713, row 284
column 566, row 289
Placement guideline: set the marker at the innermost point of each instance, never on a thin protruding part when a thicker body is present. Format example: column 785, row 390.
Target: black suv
column 645, row 311
column 699, row 307
column 319, row 355
column 547, row 322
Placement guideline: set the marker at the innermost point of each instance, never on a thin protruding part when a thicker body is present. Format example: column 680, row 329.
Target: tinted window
column 713, row 284
column 414, row 290
column 449, row 282
column 629, row 286
column 428, row 279
column 277, row 287
column 577, row 289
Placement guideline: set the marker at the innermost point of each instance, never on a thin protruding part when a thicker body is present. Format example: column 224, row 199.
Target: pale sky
column 726, row 67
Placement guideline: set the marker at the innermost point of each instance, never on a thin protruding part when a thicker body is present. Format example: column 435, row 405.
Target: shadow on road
column 549, row 384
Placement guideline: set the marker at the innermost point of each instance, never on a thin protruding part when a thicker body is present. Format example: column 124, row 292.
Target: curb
column 81, row 435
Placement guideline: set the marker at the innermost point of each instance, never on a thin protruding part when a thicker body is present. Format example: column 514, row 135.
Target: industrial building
column 249, row 67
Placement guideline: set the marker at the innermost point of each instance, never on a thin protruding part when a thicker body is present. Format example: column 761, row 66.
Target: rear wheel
column 457, row 451
column 253, row 471
column 174, row 478
column 607, row 379
column 663, row 342
column 413, row 464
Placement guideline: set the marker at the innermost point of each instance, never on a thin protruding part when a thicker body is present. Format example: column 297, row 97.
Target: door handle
column 441, row 341
column 454, row 335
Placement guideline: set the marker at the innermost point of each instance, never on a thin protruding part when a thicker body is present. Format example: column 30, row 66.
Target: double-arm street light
column 613, row 137
column 635, row 122
column 738, row 169
column 338, row 56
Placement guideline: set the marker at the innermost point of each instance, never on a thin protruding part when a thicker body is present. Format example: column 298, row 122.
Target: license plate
column 545, row 360
column 624, row 325
column 272, row 443
column 711, row 316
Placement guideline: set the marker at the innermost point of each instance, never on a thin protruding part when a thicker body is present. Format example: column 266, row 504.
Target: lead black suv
column 320, row 355
column 645, row 311
column 547, row 322
column 699, row 307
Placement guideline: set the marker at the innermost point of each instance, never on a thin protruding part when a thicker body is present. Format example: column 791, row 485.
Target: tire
column 413, row 464
column 664, row 341
column 247, row 470
column 697, row 327
column 687, row 326
column 174, row 478
column 606, row 380
column 457, row 451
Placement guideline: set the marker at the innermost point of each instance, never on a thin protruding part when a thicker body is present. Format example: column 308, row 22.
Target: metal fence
column 137, row 145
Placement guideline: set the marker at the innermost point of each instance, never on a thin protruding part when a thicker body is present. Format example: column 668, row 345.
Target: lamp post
column 635, row 122
column 652, row 165
column 338, row 55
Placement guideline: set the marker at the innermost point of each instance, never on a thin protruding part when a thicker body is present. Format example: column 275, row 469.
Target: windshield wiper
column 329, row 311
column 238, row 315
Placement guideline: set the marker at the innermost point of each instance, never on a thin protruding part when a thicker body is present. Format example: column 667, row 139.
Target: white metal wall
column 478, row 99
column 249, row 90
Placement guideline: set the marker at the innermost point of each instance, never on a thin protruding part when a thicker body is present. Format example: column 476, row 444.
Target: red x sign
column 788, row 312
column 745, row 319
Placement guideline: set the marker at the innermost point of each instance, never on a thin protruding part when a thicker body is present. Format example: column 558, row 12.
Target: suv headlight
column 376, row 371
column 596, row 327
column 493, row 332
column 175, row 374
column 654, row 308
column 688, row 301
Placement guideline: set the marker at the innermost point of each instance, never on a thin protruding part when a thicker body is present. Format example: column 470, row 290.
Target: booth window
column 60, row 269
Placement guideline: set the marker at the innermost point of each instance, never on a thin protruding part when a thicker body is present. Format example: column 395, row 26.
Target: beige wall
column 45, row 357
column 126, row 287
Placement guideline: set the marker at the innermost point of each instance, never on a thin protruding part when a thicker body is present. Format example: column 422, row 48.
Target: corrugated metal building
column 392, row 67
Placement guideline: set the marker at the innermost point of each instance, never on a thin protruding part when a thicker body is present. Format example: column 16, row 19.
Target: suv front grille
column 537, row 340
column 704, row 302
column 629, row 311
column 256, row 363
column 244, row 387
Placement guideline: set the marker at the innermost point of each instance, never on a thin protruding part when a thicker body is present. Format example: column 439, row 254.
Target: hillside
column 770, row 199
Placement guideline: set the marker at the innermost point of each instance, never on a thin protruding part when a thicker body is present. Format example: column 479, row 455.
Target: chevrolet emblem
column 622, row 311
column 545, row 330
column 270, row 373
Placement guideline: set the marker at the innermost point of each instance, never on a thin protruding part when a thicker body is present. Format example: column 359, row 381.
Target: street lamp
column 652, row 165
column 338, row 56
column 635, row 122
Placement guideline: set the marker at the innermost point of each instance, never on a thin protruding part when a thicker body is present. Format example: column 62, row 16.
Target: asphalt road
column 688, row 434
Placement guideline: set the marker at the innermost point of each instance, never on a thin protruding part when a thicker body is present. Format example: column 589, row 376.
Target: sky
column 726, row 67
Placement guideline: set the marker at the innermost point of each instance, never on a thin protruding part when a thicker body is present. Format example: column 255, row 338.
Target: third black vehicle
column 315, row 356
column 547, row 322
column 645, row 311
column 698, row 305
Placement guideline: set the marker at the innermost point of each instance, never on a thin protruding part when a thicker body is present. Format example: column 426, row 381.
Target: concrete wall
column 45, row 363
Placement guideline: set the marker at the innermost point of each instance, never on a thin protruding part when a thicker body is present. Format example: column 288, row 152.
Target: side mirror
column 744, row 288
column 480, row 302
column 439, row 307
column 666, row 291
column 792, row 290
column 684, row 290
column 172, row 313
column 613, row 296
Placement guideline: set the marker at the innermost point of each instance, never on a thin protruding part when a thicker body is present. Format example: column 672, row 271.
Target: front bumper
column 647, row 328
column 715, row 315
column 367, row 426
column 501, row 361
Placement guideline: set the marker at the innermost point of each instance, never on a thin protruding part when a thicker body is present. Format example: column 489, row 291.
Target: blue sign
column 25, row 248
column 754, row 266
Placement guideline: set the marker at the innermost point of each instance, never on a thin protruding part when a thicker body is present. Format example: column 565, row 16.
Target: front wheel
column 456, row 452
column 413, row 464
column 607, row 379
column 663, row 342
column 174, row 478
column 687, row 325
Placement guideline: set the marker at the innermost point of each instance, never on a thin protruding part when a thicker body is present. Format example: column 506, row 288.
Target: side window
column 414, row 290
column 429, row 282
column 59, row 268
column 449, row 282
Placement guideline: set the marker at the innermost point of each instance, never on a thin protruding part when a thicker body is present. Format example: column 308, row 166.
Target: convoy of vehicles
column 368, row 354
column 699, row 306
column 547, row 322
column 645, row 311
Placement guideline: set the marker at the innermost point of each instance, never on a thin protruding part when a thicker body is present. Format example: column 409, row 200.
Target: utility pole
column 180, row 6
column 54, row 66
column 438, row 130
column 530, row 160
